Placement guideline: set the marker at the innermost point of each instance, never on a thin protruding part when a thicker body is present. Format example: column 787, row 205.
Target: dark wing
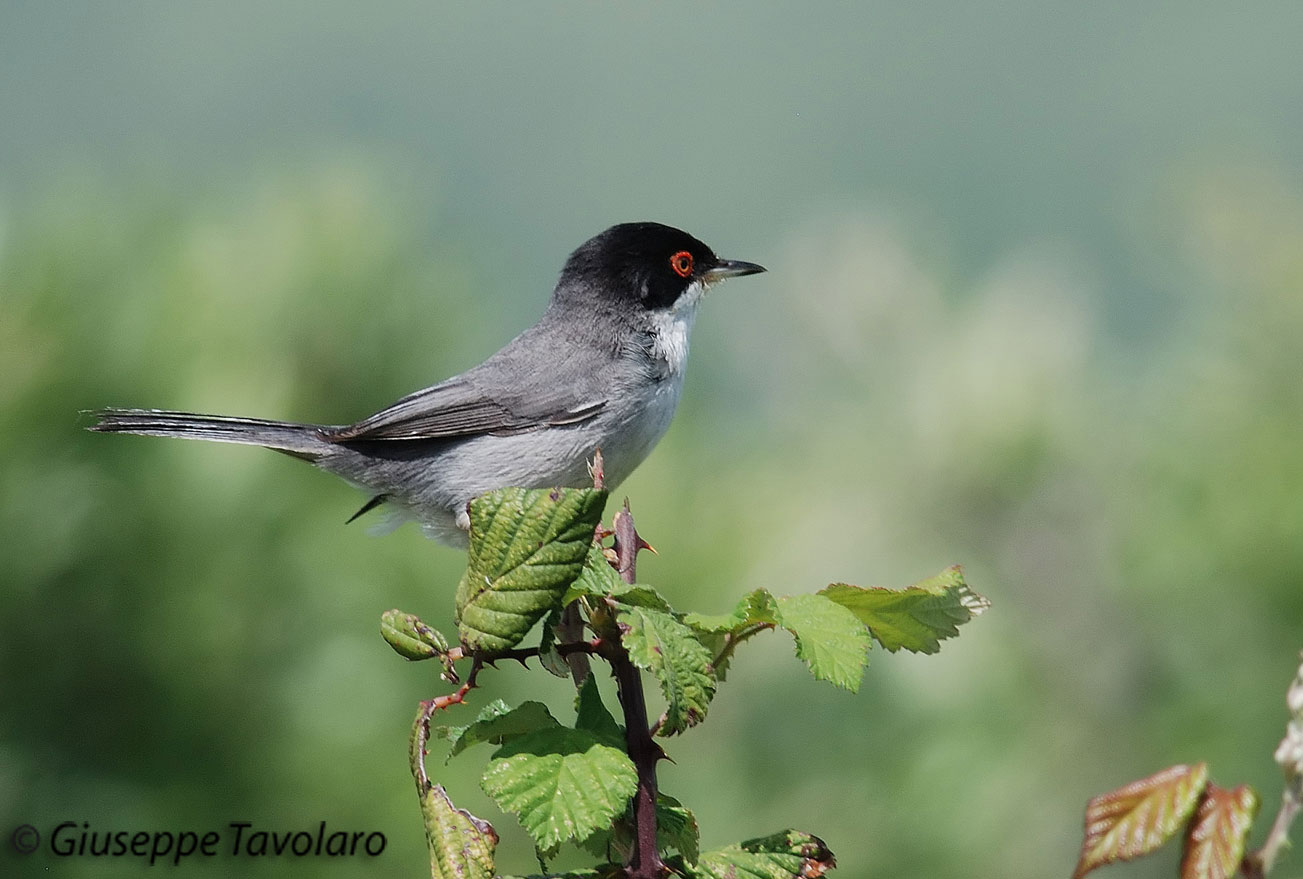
column 452, row 409
column 506, row 394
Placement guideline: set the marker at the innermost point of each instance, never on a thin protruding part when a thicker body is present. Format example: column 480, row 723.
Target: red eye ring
column 681, row 262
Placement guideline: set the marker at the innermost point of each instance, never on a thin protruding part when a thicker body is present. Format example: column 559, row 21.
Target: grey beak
column 731, row 268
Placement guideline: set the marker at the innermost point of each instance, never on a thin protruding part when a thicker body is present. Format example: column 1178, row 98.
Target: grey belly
column 431, row 481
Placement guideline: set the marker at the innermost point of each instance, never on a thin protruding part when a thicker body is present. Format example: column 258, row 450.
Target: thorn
column 642, row 544
column 596, row 470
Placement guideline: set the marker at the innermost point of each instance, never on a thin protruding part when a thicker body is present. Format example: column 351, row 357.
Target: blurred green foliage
column 188, row 633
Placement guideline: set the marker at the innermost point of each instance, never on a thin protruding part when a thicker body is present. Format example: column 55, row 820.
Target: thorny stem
column 520, row 654
column 441, row 702
column 645, row 862
column 428, row 707
column 1290, row 757
column 571, row 626
column 731, row 641
column 569, row 630
column 1259, row 863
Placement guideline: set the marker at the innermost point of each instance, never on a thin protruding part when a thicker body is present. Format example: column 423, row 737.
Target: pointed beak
column 731, row 268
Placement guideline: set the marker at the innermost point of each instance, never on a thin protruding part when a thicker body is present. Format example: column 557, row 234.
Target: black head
column 645, row 264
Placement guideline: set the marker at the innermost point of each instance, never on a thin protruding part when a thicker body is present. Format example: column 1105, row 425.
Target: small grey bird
column 602, row 369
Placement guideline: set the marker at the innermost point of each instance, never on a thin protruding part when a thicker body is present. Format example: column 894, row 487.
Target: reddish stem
column 645, row 862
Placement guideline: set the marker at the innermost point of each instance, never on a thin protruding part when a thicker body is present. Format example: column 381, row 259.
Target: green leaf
column 1138, row 818
column 676, row 828
column 711, row 623
column 828, row 637
column 592, row 716
column 605, row 871
column 755, row 608
column 461, row 845
column 597, row 578
column 562, row 783
column 451, row 733
column 641, row 595
column 662, row 645
column 787, row 855
column 498, row 727
column 411, row 638
column 1214, row 841
column 548, row 656
column 917, row 618
column 722, row 633
column 526, row 547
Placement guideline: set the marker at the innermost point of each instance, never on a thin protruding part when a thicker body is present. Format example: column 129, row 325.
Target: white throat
column 672, row 327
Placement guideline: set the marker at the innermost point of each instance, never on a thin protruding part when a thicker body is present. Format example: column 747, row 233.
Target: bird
column 601, row 370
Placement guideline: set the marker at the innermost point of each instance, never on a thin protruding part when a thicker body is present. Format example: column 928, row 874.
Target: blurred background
column 1035, row 305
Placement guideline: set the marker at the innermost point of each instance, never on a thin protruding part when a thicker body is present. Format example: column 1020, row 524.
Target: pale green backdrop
column 1035, row 305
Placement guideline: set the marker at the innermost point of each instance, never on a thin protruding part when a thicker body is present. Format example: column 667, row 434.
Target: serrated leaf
column 596, row 579
column 461, row 845
column 605, row 871
column 828, row 637
column 1138, row 818
column 526, row 547
column 711, row 623
column 787, row 855
column 500, row 727
column 599, row 580
column 451, row 733
column 548, row 656
column 676, row 828
column 1214, row 841
column 641, row 595
column 917, row 618
column 722, row 633
column 756, row 607
column 561, row 783
column 591, row 715
column 662, row 645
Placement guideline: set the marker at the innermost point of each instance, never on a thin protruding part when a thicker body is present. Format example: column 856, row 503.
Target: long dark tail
column 299, row 440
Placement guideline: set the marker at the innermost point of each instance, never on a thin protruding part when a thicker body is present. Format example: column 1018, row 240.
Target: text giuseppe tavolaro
column 240, row 839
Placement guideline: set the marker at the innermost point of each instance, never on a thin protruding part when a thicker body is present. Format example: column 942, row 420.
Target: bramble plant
column 1211, row 822
column 539, row 555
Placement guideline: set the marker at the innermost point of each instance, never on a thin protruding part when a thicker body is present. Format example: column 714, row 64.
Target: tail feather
column 299, row 440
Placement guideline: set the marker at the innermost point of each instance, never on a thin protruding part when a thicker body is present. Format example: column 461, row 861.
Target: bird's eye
column 681, row 262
